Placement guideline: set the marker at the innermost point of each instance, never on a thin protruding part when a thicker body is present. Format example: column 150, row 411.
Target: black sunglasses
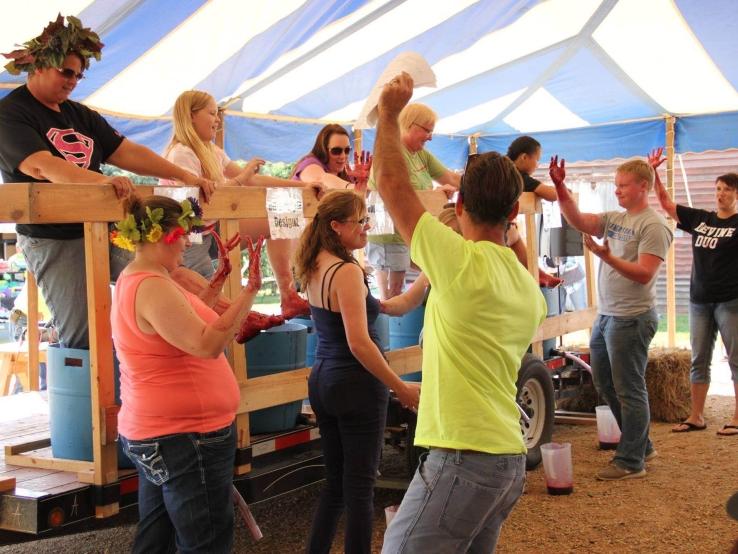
column 69, row 73
column 336, row 150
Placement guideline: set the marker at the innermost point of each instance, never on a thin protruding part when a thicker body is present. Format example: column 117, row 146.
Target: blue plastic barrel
column 70, row 407
column 276, row 350
column 311, row 341
column 70, row 412
column 405, row 331
column 382, row 325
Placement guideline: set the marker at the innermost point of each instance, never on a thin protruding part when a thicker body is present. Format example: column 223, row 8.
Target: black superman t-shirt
column 76, row 134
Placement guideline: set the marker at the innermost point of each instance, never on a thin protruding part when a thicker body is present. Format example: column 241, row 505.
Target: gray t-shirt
column 628, row 236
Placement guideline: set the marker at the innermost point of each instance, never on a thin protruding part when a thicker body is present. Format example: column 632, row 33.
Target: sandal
column 690, row 427
column 728, row 430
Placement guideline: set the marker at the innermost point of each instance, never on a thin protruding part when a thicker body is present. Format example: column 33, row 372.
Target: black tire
column 536, row 397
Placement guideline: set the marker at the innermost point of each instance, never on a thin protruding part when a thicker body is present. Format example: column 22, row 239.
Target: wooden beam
column 45, row 462
column 12, row 449
column 558, row 325
column 671, row 254
column 272, row 390
column 405, row 360
column 7, row 484
column 33, row 334
column 36, row 203
column 102, row 387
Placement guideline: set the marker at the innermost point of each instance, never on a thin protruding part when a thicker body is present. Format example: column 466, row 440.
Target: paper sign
column 410, row 62
column 381, row 222
column 284, row 212
column 551, row 215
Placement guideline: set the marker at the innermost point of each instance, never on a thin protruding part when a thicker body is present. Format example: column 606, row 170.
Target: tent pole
column 358, row 144
column 671, row 255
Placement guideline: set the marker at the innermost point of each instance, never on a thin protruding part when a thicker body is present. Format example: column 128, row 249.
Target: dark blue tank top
column 332, row 342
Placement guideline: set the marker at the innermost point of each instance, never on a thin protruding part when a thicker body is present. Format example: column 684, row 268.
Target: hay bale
column 667, row 380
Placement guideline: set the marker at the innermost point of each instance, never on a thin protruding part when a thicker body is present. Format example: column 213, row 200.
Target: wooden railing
column 96, row 206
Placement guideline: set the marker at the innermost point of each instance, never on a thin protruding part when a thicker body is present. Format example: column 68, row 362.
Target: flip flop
column 722, row 433
column 690, row 427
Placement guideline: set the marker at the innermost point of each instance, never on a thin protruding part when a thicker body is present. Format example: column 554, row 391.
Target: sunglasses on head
column 69, row 73
column 336, row 150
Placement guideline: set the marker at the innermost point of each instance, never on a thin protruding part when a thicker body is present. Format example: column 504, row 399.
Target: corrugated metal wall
column 701, row 171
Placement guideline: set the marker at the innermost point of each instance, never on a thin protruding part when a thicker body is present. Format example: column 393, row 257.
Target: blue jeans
column 59, row 268
column 619, row 355
column 184, row 491
column 705, row 320
column 456, row 502
column 350, row 405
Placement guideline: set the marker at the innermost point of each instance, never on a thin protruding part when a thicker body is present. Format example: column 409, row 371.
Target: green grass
column 682, row 324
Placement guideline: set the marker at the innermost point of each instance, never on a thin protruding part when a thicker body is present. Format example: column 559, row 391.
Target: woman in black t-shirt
column 713, row 290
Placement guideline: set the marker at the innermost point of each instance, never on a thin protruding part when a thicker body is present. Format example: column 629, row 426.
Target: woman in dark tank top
column 349, row 381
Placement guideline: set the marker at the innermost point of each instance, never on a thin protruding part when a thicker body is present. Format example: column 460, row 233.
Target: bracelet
column 237, row 181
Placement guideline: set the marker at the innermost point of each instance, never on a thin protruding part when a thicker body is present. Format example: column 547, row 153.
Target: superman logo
column 72, row 145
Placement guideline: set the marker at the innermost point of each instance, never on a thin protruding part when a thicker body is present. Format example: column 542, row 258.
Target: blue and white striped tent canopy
column 591, row 79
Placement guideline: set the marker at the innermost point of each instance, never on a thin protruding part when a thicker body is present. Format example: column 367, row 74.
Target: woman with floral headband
column 196, row 122
column 179, row 395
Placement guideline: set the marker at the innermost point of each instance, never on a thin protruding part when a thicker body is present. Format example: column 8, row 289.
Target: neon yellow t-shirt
column 483, row 310
column 422, row 168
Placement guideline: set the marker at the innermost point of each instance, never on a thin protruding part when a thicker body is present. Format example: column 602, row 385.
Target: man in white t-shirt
column 635, row 244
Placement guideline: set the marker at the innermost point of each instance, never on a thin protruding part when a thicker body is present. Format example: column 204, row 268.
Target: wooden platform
column 24, row 418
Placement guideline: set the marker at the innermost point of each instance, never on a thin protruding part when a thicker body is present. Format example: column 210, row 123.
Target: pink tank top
column 163, row 389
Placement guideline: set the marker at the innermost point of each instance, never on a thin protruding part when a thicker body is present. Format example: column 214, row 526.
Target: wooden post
column 33, row 338
column 236, row 352
column 473, row 148
column 531, row 245
column 102, row 393
column 671, row 254
column 358, row 141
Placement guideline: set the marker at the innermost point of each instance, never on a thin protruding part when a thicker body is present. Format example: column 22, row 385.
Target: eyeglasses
column 69, row 73
column 429, row 131
column 336, row 150
column 363, row 221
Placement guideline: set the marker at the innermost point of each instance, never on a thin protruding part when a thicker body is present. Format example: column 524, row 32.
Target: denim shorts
column 388, row 257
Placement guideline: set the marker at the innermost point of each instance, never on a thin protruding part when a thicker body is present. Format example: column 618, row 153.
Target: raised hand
column 557, row 172
column 602, row 251
column 395, row 95
column 360, row 172
column 254, row 249
column 655, row 158
column 224, row 263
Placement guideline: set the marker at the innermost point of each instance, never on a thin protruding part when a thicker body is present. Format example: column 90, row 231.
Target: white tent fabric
column 503, row 67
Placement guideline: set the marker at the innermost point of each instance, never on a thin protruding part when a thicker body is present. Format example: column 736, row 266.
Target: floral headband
column 128, row 232
column 54, row 43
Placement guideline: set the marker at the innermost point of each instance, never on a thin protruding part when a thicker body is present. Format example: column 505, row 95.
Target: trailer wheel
column 536, row 398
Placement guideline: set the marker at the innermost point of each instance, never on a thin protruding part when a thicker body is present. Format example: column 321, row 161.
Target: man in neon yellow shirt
column 482, row 313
